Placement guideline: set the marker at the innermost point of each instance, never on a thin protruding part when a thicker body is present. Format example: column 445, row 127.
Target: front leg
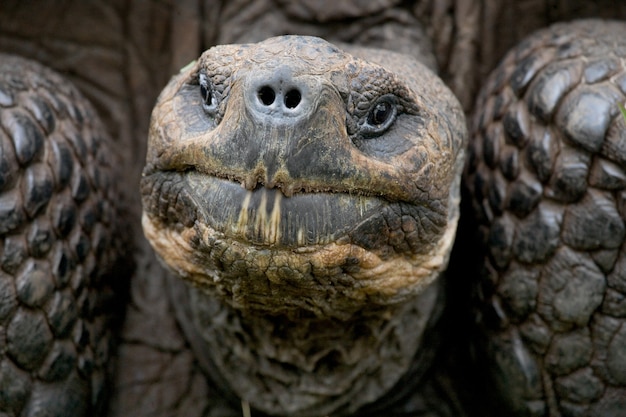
column 548, row 177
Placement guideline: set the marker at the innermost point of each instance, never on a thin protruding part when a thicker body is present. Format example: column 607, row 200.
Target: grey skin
column 121, row 76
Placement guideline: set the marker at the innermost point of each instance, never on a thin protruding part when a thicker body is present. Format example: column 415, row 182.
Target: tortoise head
column 290, row 174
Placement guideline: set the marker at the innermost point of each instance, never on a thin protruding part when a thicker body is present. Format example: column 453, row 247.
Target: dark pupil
column 380, row 113
column 206, row 94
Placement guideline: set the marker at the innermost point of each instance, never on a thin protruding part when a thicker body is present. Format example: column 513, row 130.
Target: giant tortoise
column 299, row 199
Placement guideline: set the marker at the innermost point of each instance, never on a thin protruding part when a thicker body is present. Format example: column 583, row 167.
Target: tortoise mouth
column 263, row 216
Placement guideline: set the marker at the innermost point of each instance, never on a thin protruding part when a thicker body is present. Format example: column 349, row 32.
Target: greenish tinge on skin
column 623, row 110
column 189, row 65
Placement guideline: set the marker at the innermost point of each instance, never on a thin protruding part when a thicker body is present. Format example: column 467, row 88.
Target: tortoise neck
column 300, row 364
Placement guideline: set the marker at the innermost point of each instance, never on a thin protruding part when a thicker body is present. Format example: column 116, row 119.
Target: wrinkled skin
column 139, row 44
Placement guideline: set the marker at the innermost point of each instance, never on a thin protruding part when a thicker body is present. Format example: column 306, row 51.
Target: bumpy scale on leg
column 547, row 172
column 59, row 211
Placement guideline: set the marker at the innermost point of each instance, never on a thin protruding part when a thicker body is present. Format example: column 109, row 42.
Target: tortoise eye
column 381, row 116
column 207, row 93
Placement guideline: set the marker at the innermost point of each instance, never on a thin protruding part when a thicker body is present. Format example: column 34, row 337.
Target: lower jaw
column 265, row 217
column 333, row 280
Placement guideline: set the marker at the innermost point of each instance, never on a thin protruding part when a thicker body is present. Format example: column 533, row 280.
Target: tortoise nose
column 279, row 96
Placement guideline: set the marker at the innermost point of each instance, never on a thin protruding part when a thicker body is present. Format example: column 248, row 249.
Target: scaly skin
column 547, row 174
column 60, row 223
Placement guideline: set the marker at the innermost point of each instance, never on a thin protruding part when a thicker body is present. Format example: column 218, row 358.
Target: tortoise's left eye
column 381, row 116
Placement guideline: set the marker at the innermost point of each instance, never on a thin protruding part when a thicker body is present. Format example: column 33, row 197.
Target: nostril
column 292, row 99
column 267, row 95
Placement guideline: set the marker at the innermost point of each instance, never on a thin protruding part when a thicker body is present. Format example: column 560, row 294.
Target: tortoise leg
column 59, row 214
column 547, row 173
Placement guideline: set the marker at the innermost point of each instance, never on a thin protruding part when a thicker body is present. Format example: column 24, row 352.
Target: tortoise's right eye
column 207, row 92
